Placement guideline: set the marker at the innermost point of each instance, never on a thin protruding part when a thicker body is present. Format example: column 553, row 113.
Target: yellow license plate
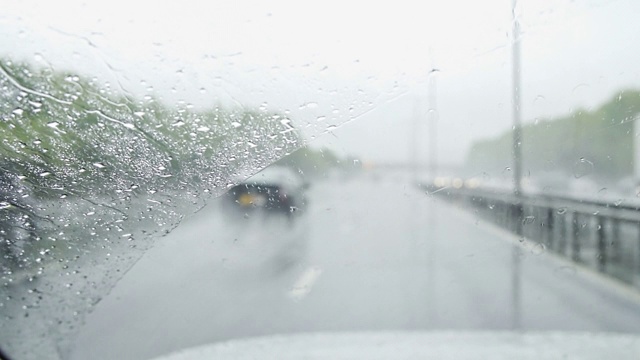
column 251, row 200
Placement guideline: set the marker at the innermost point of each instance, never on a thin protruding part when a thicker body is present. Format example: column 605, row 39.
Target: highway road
column 370, row 253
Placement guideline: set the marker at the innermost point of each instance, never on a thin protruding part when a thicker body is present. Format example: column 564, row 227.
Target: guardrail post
column 564, row 234
column 510, row 217
column 542, row 223
column 521, row 212
column 549, row 229
column 529, row 218
column 504, row 213
column 539, row 222
column 534, row 221
column 575, row 243
column 602, row 245
column 615, row 240
column 518, row 217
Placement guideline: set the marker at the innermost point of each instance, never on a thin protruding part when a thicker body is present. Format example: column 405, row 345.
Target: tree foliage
column 603, row 137
column 66, row 133
column 310, row 162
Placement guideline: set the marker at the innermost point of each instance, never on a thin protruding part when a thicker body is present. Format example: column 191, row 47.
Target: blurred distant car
column 276, row 189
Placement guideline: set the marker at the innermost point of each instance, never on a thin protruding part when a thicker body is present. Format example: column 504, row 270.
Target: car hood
column 422, row 345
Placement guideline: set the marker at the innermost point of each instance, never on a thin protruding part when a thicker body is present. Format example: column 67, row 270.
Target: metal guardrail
column 598, row 234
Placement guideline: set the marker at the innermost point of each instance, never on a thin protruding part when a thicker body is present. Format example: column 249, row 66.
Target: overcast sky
column 359, row 65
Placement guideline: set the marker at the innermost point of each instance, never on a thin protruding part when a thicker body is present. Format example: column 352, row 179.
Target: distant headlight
column 472, row 183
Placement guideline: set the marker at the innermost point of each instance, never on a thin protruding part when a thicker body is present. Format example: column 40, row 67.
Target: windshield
column 182, row 174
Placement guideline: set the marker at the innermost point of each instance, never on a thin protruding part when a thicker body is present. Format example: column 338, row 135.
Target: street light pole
column 516, row 103
column 433, row 120
column 517, row 216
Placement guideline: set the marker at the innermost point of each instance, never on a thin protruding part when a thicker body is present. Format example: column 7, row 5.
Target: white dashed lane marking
column 303, row 285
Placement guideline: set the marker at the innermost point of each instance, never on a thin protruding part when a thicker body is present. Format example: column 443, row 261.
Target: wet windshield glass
column 175, row 175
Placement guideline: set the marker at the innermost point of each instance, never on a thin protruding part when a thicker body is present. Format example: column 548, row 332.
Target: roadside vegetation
column 89, row 168
column 63, row 133
column 588, row 142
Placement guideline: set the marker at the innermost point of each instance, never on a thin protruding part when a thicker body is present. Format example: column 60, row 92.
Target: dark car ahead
column 275, row 190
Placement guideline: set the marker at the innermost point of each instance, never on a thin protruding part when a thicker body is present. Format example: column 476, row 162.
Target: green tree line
column 310, row 162
column 65, row 133
column 602, row 138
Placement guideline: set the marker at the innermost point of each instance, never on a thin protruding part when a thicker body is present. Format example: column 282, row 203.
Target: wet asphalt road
column 370, row 253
